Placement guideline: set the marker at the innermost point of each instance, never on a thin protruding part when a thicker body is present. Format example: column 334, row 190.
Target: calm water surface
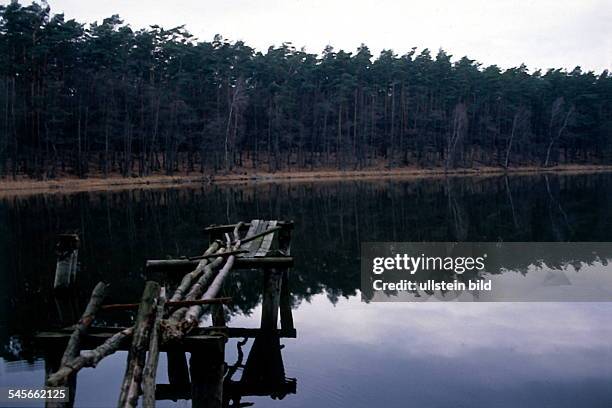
column 347, row 353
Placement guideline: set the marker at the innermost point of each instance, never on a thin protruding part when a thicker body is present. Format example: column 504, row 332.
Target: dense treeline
column 103, row 98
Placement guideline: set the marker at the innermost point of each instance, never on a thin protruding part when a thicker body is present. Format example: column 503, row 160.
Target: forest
column 84, row 99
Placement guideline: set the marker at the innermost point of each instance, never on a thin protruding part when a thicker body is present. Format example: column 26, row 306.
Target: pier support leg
column 218, row 316
column 178, row 373
column 264, row 367
column 286, row 316
column 207, row 367
column 271, row 299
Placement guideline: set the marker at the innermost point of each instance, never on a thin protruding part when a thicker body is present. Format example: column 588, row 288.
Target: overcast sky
column 540, row 33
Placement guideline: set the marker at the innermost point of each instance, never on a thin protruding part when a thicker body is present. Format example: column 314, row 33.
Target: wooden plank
column 256, row 243
column 260, row 235
column 230, row 227
column 266, row 243
column 252, row 231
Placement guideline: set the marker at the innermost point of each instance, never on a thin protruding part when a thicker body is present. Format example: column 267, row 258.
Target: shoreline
column 25, row 186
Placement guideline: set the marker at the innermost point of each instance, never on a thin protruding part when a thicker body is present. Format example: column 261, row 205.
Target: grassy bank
column 24, row 185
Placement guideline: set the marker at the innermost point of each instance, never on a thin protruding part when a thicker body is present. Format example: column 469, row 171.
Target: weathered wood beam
column 96, row 299
column 230, row 227
column 180, row 303
column 98, row 336
column 93, row 341
column 185, row 265
column 192, row 315
column 130, row 387
column 190, row 277
column 73, row 345
column 227, row 331
column 170, row 326
column 223, row 254
column 106, row 345
column 150, row 369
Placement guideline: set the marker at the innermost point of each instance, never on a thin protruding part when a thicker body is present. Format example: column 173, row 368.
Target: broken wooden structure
column 171, row 324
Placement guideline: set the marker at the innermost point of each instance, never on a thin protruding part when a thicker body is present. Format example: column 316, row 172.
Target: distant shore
column 25, row 186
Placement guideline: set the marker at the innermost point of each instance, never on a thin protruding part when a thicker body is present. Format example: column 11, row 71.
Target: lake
column 347, row 352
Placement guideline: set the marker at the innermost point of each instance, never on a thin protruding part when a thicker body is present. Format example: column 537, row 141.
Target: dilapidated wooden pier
column 168, row 318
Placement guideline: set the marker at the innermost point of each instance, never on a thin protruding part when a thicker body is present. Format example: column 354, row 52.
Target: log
column 52, row 364
column 196, row 290
column 59, row 339
column 97, row 296
column 128, row 396
column 190, row 277
column 180, row 303
column 170, row 326
column 241, row 262
column 89, row 358
column 193, row 313
column 72, row 348
column 150, row 370
column 224, row 254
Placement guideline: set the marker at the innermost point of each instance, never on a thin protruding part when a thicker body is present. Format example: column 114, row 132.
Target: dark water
column 347, row 353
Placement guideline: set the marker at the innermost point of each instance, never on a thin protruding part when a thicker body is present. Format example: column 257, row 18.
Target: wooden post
column 136, row 358
column 53, row 359
column 264, row 367
column 95, row 301
column 67, row 308
column 150, row 370
column 72, row 348
column 91, row 357
column 67, row 251
column 286, row 316
column 271, row 299
column 207, row 367
column 178, row 372
column 218, row 315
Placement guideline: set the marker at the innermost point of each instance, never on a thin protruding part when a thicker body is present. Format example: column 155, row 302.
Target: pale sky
column 540, row 33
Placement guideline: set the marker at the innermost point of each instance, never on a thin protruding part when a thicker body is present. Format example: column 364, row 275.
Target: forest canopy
column 102, row 98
